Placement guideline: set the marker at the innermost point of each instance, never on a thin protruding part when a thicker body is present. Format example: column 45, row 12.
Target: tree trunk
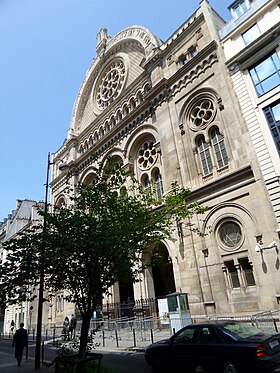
column 84, row 334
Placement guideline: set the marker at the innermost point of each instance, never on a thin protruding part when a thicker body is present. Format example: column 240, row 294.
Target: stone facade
column 21, row 219
column 168, row 111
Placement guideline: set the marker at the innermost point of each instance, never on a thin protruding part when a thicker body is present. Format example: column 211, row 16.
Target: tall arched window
column 219, row 149
column 205, row 156
column 158, row 185
column 145, row 181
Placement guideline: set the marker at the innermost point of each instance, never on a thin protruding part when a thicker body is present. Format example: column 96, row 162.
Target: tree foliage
column 99, row 238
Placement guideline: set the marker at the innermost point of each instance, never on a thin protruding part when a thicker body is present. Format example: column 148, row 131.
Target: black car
column 219, row 346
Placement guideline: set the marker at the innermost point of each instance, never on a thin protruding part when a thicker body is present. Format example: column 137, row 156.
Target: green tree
column 96, row 240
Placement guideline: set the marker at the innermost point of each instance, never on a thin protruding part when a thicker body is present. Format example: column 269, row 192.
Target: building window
column 158, row 185
column 202, row 113
column 218, row 145
column 232, row 274
column 205, row 156
column 192, row 51
column 124, row 193
column 240, row 8
column 230, row 234
column 184, row 58
column 59, row 303
column 145, row 181
column 247, row 272
column 240, row 273
column 147, row 155
column 266, row 74
column 216, row 148
column 110, row 84
column 272, row 114
column 251, row 34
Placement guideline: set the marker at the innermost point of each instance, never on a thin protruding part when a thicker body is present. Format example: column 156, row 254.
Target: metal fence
column 140, row 308
column 133, row 332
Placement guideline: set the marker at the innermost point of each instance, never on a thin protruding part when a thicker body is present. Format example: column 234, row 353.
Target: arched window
column 123, row 192
column 158, row 185
column 219, row 149
column 60, row 202
column 145, row 183
column 90, row 179
column 205, row 156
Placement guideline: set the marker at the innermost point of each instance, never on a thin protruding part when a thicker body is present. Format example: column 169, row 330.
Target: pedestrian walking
column 12, row 327
column 20, row 340
column 73, row 324
column 66, row 325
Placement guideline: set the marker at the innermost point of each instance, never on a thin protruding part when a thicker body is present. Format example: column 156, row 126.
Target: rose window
column 230, row 234
column 110, row 84
column 147, row 155
column 202, row 113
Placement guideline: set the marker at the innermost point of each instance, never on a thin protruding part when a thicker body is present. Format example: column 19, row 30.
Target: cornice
column 229, row 182
column 255, row 50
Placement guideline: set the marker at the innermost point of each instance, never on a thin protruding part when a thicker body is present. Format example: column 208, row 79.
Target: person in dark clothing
column 73, row 324
column 20, row 340
column 12, row 326
column 66, row 325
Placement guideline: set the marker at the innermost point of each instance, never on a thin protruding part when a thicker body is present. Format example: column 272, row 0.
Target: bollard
column 54, row 336
column 103, row 337
column 116, row 333
column 43, row 351
column 152, row 336
column 275, row 325
column 134, row 337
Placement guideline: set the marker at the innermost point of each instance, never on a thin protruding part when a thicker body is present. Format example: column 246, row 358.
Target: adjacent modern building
column 251, row 45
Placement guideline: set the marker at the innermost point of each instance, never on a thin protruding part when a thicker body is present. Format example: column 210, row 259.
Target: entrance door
column 162, row 270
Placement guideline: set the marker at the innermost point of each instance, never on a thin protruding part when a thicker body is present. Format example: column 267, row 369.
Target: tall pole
column 41, row 281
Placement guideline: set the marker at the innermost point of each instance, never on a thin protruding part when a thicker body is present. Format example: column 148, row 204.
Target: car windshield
column 242, row 330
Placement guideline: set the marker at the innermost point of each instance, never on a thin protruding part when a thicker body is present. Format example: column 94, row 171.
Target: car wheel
column 157, row 365
column 230, row 367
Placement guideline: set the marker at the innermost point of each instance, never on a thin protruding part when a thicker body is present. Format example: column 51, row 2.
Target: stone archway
column 162, row 272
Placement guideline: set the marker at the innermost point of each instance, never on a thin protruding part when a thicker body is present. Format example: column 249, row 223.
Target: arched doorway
column 162, row 271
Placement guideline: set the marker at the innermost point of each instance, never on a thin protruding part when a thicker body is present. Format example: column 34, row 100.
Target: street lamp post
column 41, row 281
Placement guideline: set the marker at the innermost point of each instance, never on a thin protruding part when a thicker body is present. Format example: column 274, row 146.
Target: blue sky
column 46, row 48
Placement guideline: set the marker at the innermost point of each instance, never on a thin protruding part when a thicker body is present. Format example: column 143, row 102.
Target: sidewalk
column 8, row 363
